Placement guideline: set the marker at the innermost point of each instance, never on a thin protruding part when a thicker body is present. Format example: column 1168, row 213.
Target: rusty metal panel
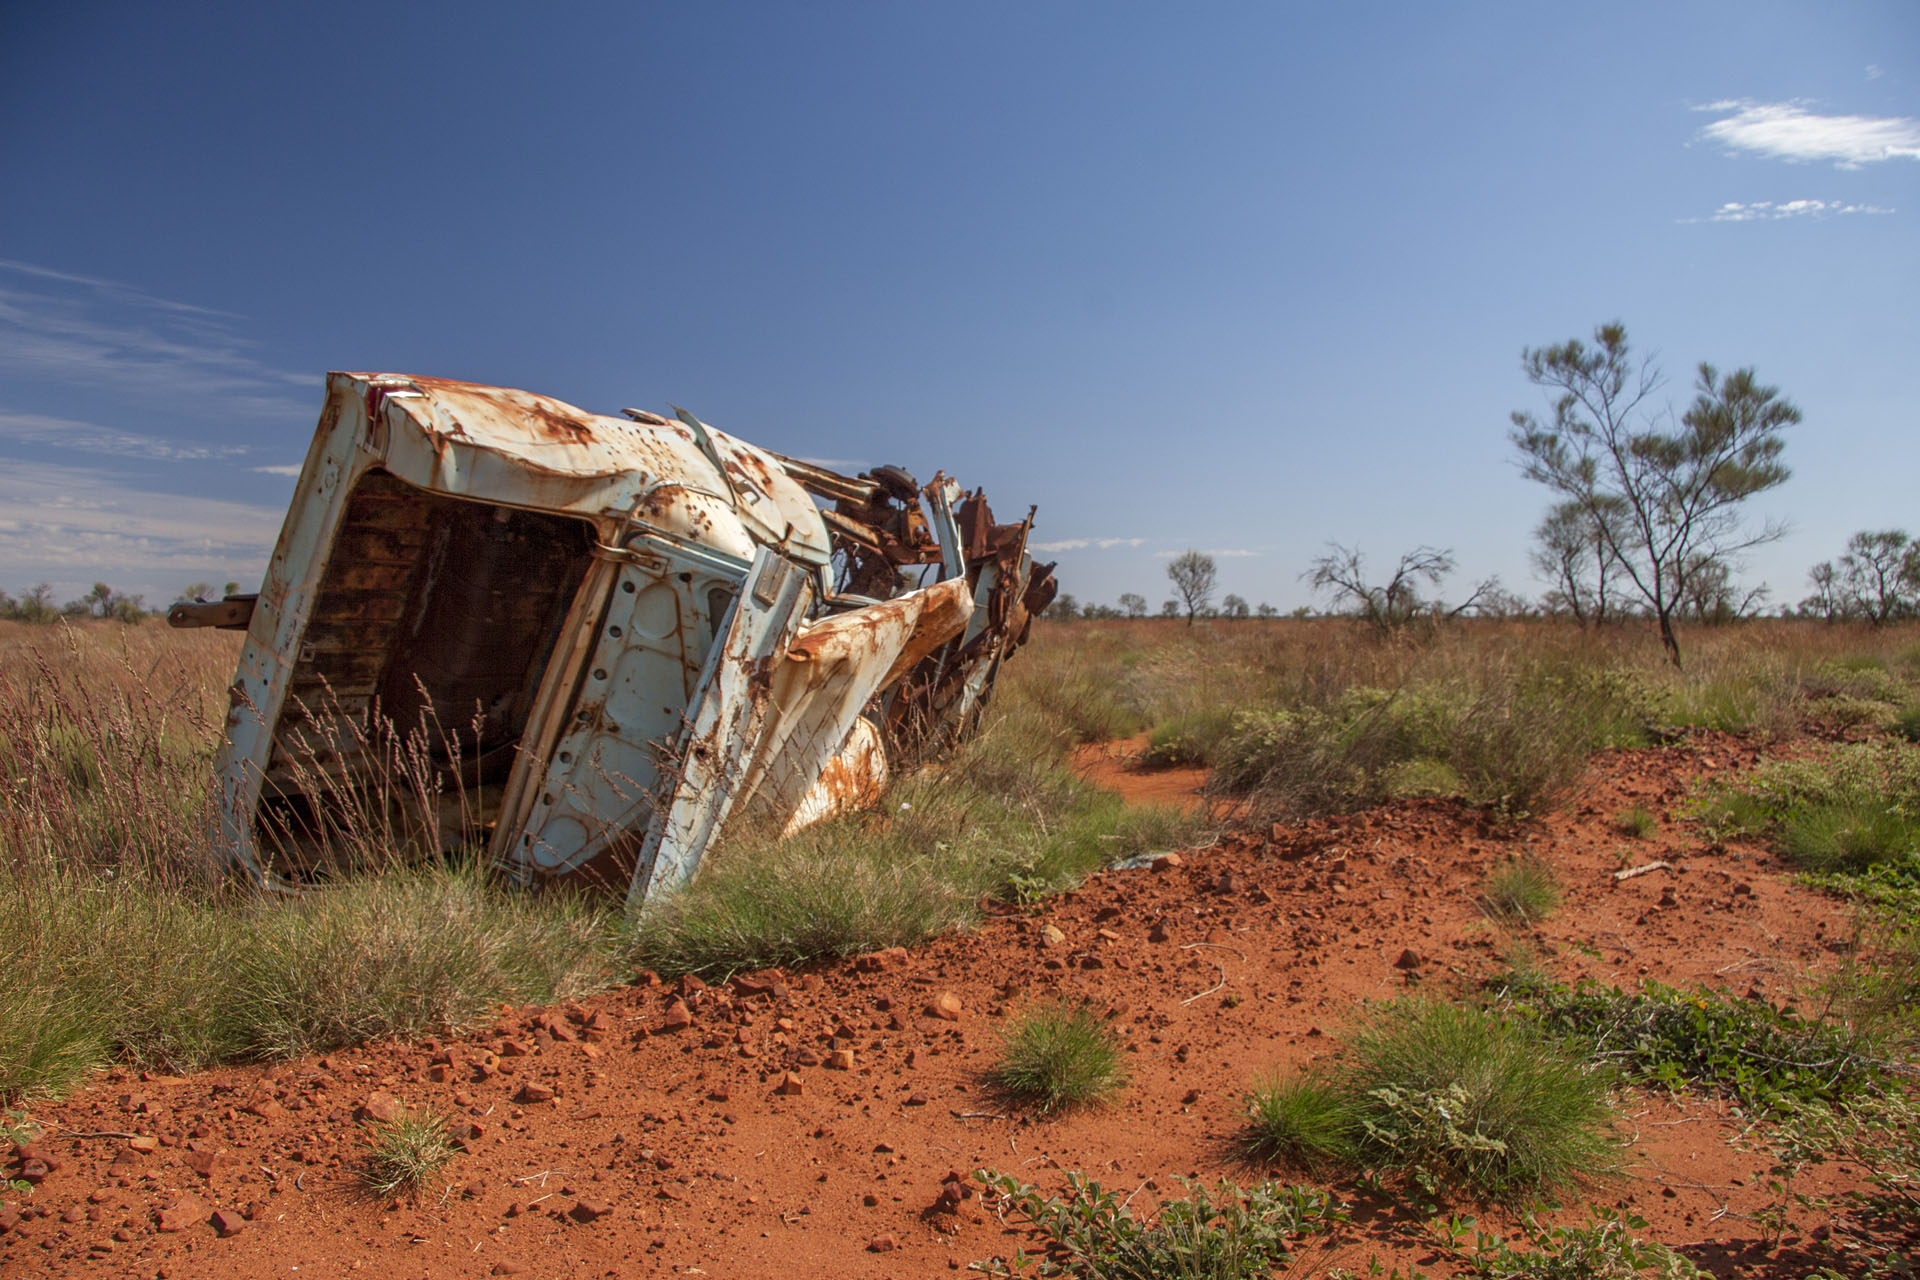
column 614, row 634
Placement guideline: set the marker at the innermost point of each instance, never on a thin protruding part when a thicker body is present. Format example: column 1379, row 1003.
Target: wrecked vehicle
column 608, row 638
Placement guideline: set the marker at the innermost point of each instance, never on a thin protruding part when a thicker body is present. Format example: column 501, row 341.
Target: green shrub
column 1218, row 1233
column 1058, row 1056
column 1841, row 812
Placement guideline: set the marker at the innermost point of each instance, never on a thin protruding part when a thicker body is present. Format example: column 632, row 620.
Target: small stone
column 144, row 1144
column 1190, row 1097
column 1159, row 932
column 507, row 1268
column 533, row 1092
column 1409, row 959
column 677, row 1018
column 187, row 1211
column 589, row 1210
column 1051, row 936
column 791, row 1085
column 946, row 1006
column 206, row 1163
column 882, row 1244
column 439, row 1073
column 1169, row 862
column 227, row 1222
column 840, row 1060
column 917, row 1099
column 9, row 1218
column 381, row 1108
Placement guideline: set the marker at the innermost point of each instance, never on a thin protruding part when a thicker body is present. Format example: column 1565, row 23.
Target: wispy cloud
column 1771, row 211
column 280, row 469
column 69, row 330
column 87, row 437
column 1789, row 131
column 1081, row 544
column 77, row 523
column 1220, row 553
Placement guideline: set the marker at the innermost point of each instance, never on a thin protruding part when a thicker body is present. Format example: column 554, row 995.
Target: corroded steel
column 589, row 643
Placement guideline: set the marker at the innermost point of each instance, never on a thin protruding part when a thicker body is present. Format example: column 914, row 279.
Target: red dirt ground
column 674, row 1152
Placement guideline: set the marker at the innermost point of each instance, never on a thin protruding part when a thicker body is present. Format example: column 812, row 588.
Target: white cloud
column 86, row 437
column 66, row 523
column 1771, row 211
column 281, row 469
column 1788, row 131
column 1081, row 544
column 1220, row 553
column 80, row 331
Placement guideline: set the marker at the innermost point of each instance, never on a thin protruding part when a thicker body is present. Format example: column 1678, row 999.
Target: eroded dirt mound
column 815, row 1124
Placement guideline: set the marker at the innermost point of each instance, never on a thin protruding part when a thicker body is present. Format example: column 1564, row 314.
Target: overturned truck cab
column 588, row 644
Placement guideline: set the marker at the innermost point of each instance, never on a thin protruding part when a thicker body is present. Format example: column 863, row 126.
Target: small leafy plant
column 1221, row 1232
column 1608, row 1247
column 1058, row 1056
column 407, row 1152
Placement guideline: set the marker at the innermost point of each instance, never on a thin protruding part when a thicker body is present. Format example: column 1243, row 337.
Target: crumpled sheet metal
column 612, row 636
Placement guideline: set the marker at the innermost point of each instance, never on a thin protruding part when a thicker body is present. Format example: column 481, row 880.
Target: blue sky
column 1239, row 277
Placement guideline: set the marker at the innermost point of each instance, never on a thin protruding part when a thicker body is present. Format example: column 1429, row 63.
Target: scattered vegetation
column 1607, row 1247
column 1222, row 1232
column 1843, row 813
column 406, row 1153
column 1454, row 1097
column 1058, row 1056
column 1701, row 1040
column 1521, row 891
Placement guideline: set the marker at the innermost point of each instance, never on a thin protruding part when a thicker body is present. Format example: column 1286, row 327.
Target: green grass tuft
column 1304, row 1121
column 1059, row 1056
column 1639, row 822
column 1521, row 891
column 406, row 1153
column 1461, row 1099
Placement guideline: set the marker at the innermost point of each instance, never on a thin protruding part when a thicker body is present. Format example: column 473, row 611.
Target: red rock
column 1169, row 862
column 917, row 1099
column 840, row 1060
column 1159, row 932
column 513, row 1049
column 1409, row 959
column 507, row 1269
column 227, row 1222
column 9, row 1218
column 946, row 1006
column 719, row 1093
column 381, row 1108
column 206, row 1163
column 1052, row 936
column 1190, row 1097
column 187, row 1211
column 677, row 1018
column 143, row 1144
column 439, row 1073
column 267, row 1109
column 534, row 1092
column 589, row 1210
column 882, row 1244
column 791, row 1084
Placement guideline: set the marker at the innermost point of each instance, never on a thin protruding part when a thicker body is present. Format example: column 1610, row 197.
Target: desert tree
column 1235, row 607
column 1572, row 552
column 1828, row 600
column 1193, row 574
column 1064, row 606
column 1880, row 574
column 1266, row 610
column 1608, row 443
column 1169, row 608
column 1134, row 604
column 1709, row 593
column 1390, row 605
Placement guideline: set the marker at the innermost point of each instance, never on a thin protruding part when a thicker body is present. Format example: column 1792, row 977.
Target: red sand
column 674, row 1152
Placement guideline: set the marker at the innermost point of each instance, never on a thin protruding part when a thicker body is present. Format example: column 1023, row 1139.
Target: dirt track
column 673, row 1151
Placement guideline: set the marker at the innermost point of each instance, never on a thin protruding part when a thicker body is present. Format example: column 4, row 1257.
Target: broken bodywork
column 591, row 643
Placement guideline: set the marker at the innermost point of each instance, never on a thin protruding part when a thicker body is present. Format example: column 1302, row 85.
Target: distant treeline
column 36, row 603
